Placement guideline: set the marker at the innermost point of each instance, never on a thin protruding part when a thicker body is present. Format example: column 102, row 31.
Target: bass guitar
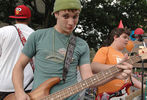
column 42, row 92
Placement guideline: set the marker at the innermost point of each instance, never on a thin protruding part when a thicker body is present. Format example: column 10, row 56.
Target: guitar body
column 40, row 92
column 125, row 87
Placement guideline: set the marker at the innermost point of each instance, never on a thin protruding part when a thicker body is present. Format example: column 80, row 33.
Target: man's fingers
column 124, row 58
column 127, row 71
column 124, row 75
column 125, row 66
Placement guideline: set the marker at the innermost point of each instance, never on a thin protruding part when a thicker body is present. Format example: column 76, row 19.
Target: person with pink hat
column 57, row 54
column 111, row 53
column 10, row 49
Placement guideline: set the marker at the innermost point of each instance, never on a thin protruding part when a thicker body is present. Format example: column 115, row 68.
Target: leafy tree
column 97, row 19
column 7, row 7
column 46, row 19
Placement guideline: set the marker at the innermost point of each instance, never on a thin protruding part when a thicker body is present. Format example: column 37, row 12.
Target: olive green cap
column 66, row 4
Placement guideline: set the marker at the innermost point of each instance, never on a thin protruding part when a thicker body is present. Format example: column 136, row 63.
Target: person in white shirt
column 10, row 49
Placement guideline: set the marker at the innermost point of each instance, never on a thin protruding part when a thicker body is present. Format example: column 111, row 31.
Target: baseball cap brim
column 17, row 17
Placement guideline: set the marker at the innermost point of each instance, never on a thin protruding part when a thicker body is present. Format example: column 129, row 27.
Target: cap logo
column 18, row 10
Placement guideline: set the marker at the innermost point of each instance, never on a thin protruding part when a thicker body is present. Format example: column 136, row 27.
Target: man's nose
column 71, row 21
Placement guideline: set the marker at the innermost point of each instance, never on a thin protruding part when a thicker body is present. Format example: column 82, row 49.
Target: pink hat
column 120, row 24
column 21, row 12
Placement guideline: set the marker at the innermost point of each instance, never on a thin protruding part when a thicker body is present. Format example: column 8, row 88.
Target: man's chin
column 69, row 31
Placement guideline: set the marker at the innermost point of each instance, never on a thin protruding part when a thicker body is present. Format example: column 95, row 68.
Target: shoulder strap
column 21, row 36
column 23, row 41
column 69, row 55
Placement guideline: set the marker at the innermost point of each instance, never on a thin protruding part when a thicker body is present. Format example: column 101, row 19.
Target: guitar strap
column 23, row 41
column 69, row 55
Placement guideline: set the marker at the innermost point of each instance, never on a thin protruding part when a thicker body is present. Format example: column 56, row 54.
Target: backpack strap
column 23, row 41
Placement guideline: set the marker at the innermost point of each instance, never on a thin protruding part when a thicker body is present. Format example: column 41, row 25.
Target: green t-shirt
column 49, row 48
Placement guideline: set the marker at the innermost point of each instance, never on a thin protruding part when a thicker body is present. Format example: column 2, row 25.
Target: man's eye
column 126, row 37
column 74, row 17
column 65, row 16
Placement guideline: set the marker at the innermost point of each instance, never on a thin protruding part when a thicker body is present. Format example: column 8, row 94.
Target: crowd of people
column 30, row 58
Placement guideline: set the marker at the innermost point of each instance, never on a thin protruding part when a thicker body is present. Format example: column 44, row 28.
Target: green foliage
column 97, row 19
column 101, row 16
column 7, row 9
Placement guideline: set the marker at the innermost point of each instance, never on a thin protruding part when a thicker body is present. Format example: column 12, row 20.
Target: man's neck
column 21, row 23
column 57, row 28
column 116, row 47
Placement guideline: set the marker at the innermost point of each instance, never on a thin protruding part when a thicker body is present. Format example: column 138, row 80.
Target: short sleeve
column 85, row 56
column 101, row 55
column 30, row 46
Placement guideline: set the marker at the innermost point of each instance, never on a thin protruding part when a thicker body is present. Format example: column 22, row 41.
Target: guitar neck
column 97, row 78
column 134, row 94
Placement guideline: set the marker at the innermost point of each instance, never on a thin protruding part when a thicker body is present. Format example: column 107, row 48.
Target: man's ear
column 115, row 36
column 56, row 14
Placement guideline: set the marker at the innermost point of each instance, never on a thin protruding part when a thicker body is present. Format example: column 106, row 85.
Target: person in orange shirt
column 111, row 54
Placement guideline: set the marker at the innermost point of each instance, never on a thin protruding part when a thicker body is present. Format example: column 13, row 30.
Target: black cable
column 29, row 83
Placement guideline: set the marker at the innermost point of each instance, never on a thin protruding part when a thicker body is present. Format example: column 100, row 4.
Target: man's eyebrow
column 77, row 13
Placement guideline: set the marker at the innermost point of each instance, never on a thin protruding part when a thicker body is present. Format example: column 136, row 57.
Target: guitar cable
column 29, row 83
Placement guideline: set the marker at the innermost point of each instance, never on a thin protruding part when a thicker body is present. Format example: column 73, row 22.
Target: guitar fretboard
column 97, row 78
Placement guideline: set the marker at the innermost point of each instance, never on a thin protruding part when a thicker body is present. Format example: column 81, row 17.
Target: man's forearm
column 137, row 83
column 17, row 78
column 97, row 67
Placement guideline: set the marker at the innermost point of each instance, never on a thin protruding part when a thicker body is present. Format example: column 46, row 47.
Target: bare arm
column 17, row 77
column 137, row 83
column 127, row 68
column 86, row 72
column 97, row 67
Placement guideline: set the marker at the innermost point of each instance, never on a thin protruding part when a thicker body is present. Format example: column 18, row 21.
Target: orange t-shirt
column 108, row 55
